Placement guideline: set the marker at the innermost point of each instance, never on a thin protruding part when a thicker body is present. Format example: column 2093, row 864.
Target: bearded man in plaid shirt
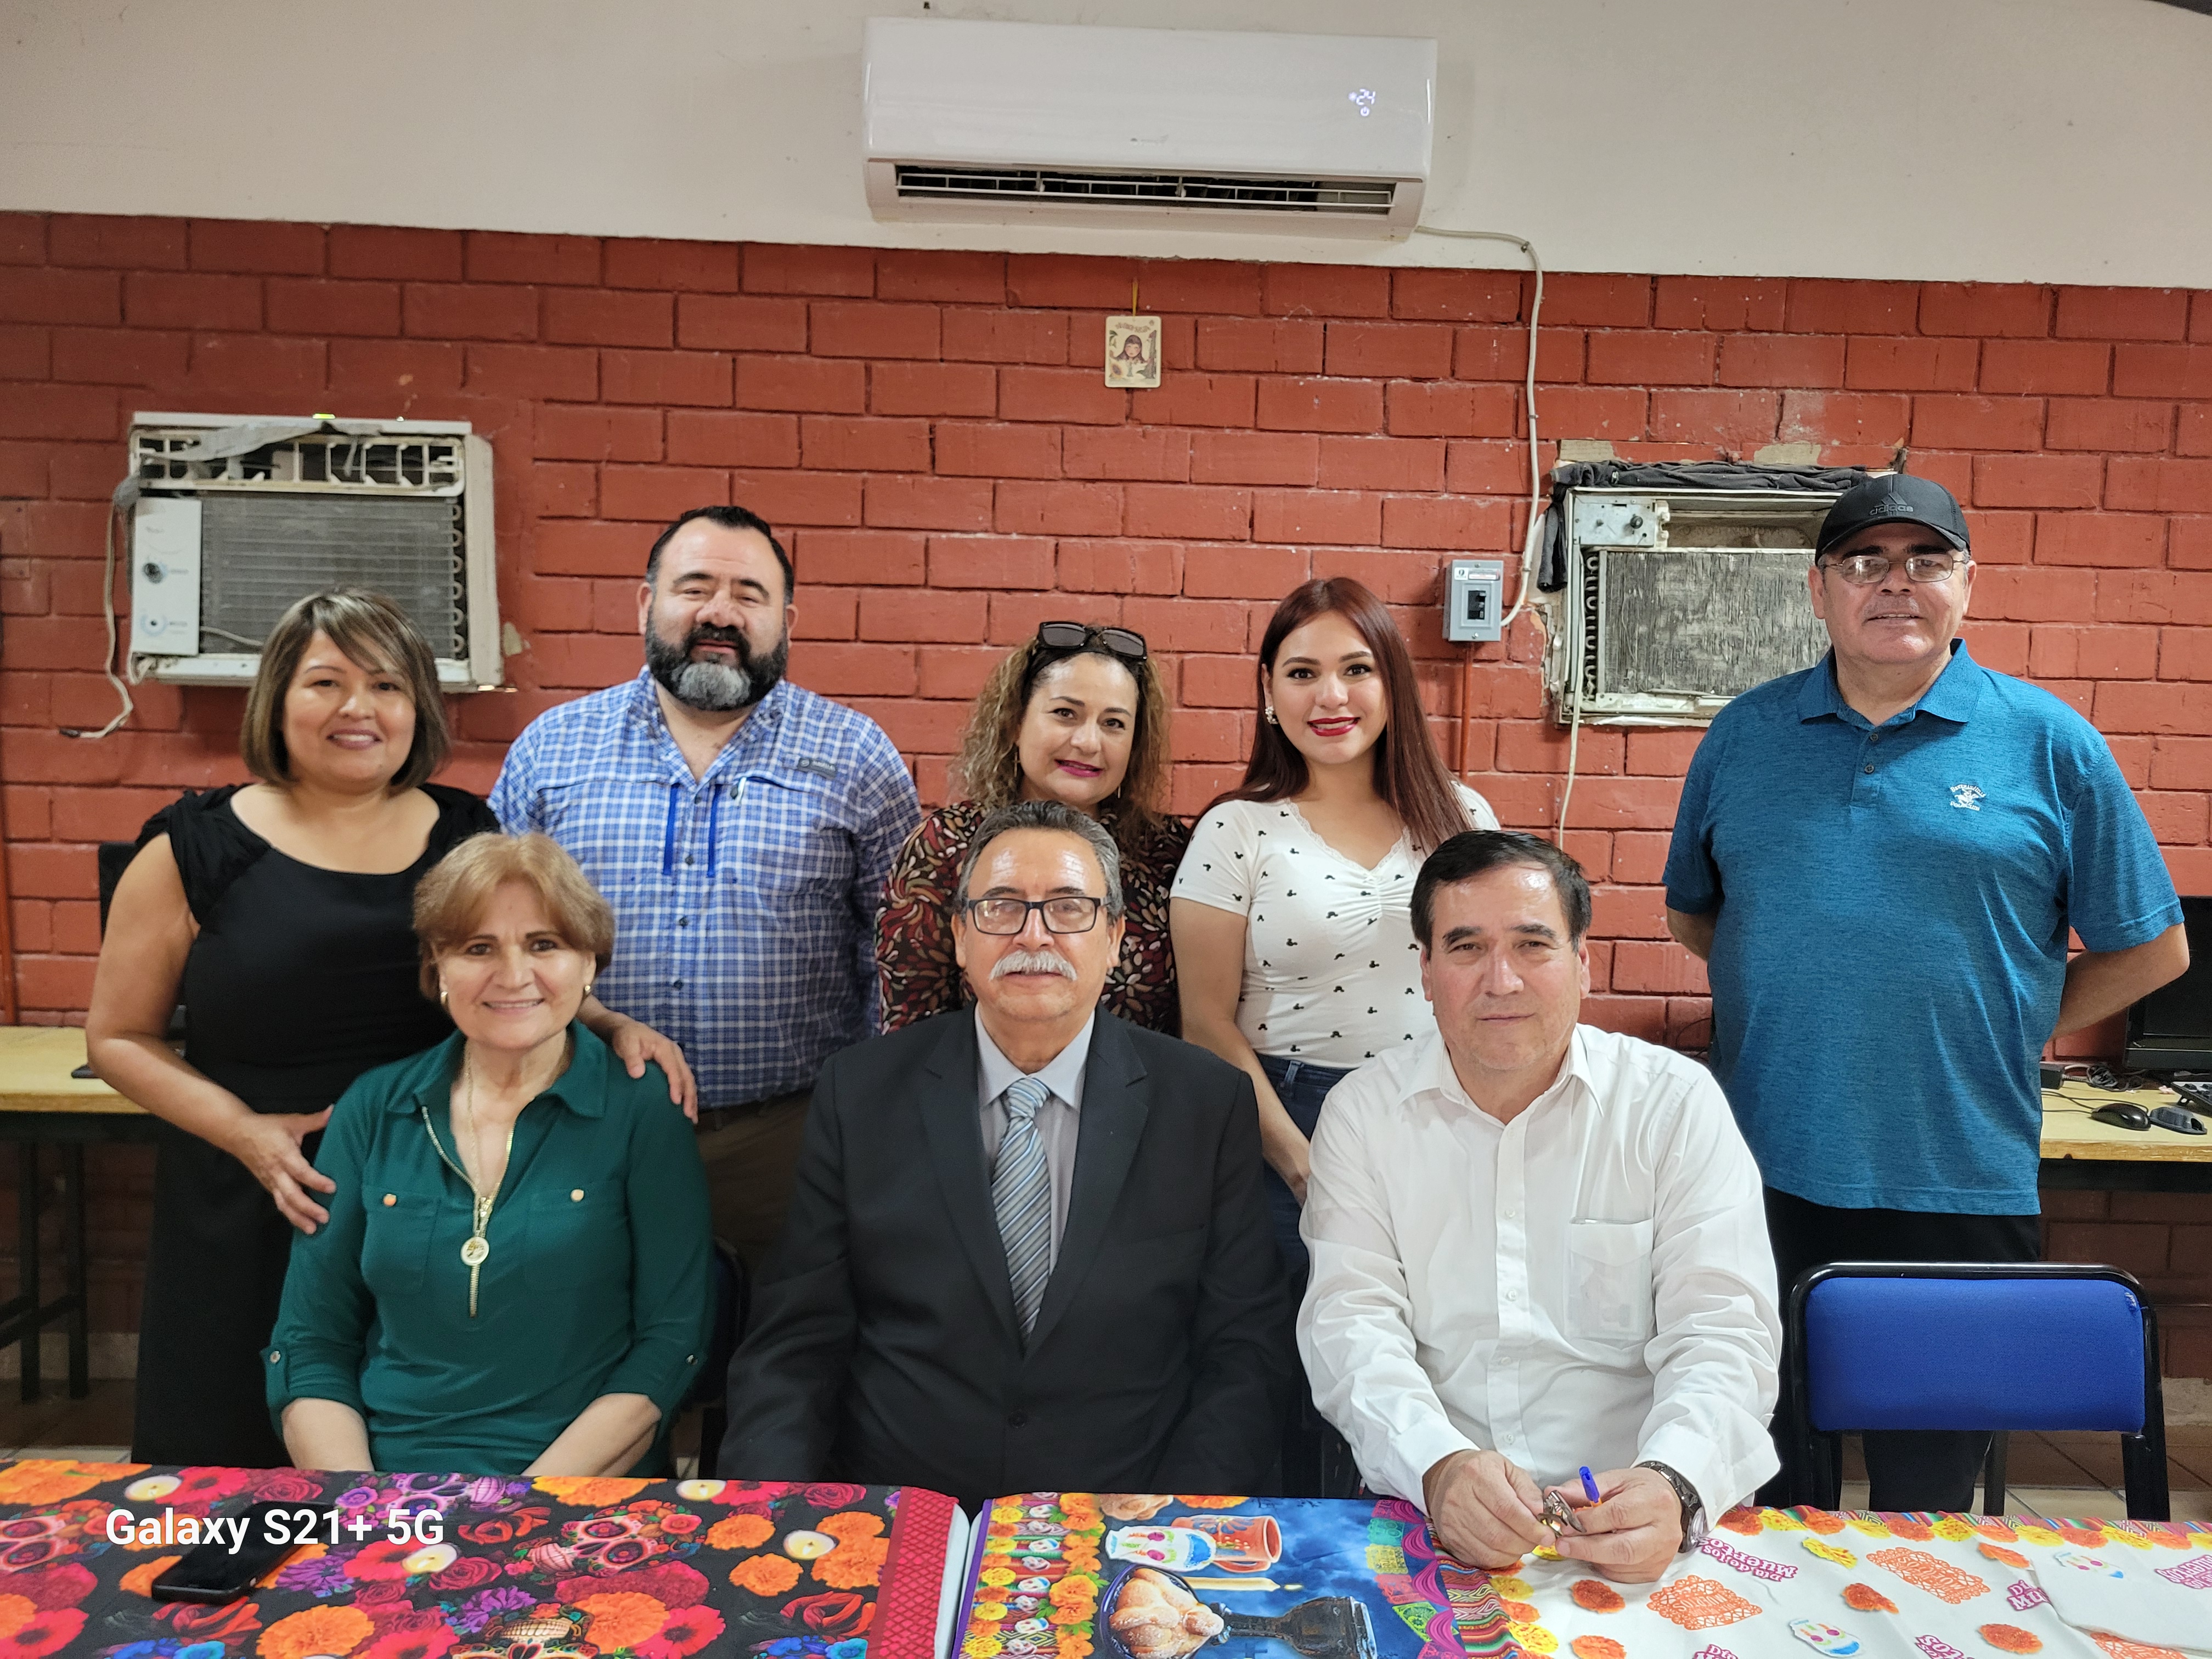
column 742, row 827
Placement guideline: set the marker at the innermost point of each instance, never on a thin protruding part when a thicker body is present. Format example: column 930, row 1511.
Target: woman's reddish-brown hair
column 1408, row 773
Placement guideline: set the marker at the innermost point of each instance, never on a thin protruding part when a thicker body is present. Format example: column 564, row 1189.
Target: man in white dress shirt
column 1537, row 1245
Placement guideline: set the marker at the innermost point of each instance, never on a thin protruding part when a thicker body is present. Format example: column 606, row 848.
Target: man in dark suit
column 1028, row 1248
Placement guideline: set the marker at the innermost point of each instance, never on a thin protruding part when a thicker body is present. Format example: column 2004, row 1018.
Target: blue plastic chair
column 1972, row 1345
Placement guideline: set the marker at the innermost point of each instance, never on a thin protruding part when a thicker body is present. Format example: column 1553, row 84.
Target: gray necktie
column 1021, row 1193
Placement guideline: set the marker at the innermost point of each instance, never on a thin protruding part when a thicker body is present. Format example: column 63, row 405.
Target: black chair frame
column 1820, row 1451
column 710, row 1388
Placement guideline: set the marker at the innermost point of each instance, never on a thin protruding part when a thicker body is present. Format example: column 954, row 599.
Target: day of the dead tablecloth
column 608, row 1569
column 549, row 1568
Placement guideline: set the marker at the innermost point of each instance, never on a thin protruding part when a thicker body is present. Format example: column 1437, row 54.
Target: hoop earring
column 442, row 994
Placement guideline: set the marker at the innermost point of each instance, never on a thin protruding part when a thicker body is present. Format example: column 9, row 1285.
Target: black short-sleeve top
column 300, row 978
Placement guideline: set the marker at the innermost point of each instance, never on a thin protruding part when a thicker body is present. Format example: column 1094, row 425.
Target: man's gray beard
column 713, row 688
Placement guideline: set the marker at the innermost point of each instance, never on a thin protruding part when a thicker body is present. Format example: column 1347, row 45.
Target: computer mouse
column 2123, row 1115
column 2173, row 1117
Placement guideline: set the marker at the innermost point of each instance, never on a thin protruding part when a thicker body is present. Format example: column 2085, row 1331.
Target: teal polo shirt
column 1890, row 946
column 599, row 1278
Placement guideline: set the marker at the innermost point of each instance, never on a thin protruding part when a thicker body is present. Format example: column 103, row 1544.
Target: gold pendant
column 475, row 1250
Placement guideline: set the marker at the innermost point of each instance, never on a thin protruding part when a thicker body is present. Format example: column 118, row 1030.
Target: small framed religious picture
column 1133, row 351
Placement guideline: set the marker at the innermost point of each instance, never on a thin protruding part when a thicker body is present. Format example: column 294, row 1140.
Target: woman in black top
column 280, row 913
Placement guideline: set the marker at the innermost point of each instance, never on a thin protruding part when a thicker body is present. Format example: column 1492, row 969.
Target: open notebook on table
column 1164, row 1575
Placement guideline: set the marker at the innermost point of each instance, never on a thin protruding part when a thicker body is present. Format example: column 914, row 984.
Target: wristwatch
column 1693, row 1507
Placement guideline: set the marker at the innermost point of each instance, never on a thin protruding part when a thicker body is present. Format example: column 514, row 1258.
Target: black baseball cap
column 1894, row 498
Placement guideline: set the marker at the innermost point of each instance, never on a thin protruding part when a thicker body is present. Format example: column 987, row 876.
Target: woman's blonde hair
column 988, row 770
column 451, row 899
column 375, row 634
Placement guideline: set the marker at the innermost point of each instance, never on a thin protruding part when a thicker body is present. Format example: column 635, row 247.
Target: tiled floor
column 2047, row 1474
column 56, row 1423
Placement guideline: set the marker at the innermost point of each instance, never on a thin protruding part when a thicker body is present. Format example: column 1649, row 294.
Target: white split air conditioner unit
column 1056, row 123
column 238, row 516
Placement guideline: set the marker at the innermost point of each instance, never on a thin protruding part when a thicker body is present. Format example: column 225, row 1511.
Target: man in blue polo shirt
column 1880, row 858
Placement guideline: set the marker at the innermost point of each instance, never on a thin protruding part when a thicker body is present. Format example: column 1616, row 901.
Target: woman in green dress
column 516, row 1272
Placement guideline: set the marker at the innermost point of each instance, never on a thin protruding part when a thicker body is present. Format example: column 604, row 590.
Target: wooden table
column 2080, row 1153
column 41, row 1103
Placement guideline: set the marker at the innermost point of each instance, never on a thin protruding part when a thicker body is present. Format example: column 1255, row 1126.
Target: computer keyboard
column 2198, row 1095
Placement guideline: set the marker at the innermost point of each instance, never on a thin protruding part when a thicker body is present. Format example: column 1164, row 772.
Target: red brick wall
column 932, row 430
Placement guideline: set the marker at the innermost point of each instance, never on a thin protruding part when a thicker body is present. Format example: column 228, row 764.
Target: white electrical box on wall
column 1474, row 599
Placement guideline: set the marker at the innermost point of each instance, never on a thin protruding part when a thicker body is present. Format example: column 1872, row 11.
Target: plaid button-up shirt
column 745, row 900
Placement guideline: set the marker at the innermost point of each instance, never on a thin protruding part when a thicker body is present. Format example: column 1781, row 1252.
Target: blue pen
column 1589, row 1486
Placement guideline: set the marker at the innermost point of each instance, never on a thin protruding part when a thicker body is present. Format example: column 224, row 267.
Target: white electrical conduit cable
column 126, row 493
column 1574, row 741
column 1535, row 490
column 1535, row 467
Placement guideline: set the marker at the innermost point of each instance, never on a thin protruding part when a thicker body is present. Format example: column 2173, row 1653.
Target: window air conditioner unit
column 1057, row 123
column 1677, row 600
column 239, row 516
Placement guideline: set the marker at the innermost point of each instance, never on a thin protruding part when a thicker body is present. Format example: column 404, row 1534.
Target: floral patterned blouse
column 913, row 933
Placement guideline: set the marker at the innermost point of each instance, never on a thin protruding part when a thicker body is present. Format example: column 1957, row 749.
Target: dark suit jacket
column 883, row 1347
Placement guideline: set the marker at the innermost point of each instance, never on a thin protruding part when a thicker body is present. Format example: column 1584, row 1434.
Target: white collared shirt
column 1059, row 1121
column 1589, row 1283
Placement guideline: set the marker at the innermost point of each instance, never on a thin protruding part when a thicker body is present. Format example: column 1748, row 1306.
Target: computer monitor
column 2171, row 1030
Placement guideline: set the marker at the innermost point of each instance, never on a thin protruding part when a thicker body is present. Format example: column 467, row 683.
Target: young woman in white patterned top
column 1292, row 911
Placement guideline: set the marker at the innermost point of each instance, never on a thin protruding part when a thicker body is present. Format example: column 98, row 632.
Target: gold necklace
column 478, row 1248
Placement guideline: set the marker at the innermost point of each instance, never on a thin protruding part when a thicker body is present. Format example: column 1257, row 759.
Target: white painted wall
column 1993, row 140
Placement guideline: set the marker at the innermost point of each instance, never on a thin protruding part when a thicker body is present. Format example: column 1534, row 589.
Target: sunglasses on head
column 1075, row 636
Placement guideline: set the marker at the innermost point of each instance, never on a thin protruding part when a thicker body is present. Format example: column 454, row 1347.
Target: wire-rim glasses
column 1864, row 569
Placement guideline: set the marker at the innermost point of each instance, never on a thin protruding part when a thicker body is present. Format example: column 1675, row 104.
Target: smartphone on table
column 216, row 1572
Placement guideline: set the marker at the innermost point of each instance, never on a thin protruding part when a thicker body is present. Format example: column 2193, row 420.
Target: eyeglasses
column 1074, row 636
column 1068, row 913
column 1864, row 569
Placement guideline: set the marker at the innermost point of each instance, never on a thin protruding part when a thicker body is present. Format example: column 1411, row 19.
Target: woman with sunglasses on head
column 1079, row 715
column 1292, row 912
